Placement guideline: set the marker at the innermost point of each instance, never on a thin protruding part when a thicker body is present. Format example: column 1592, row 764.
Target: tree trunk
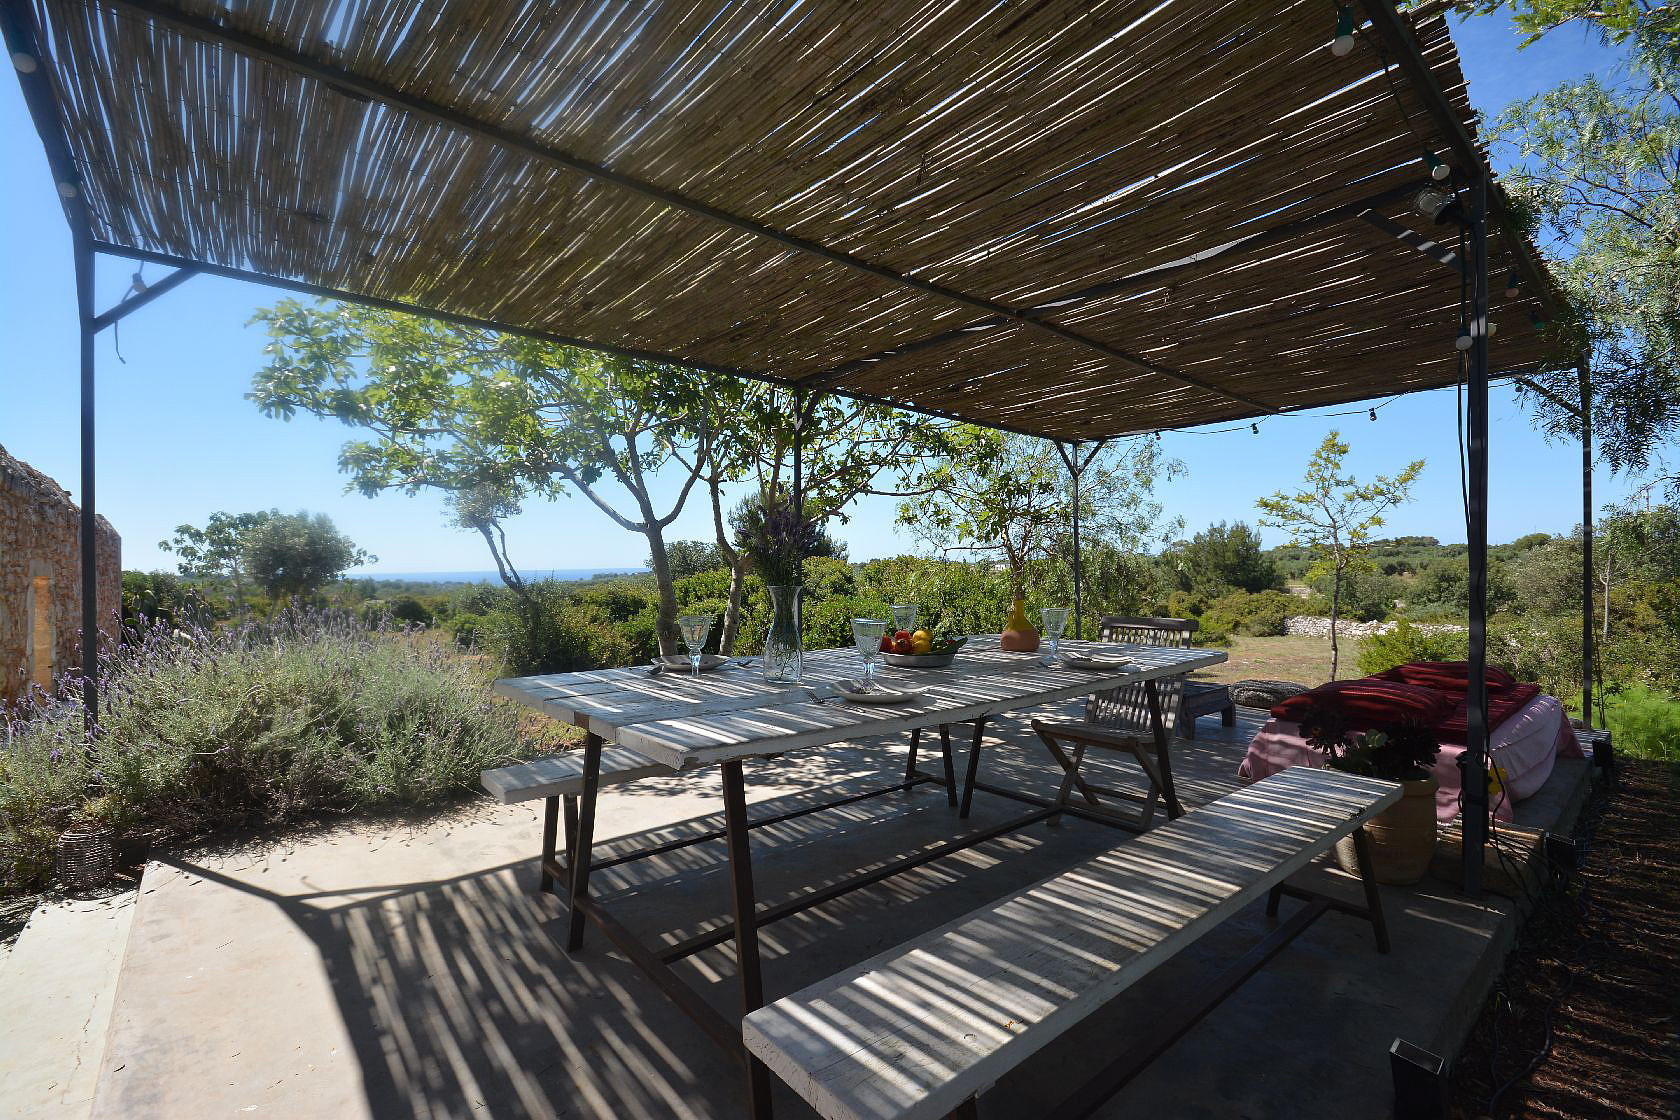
column 666, row 625
column 732, row 613
column 1335, row 614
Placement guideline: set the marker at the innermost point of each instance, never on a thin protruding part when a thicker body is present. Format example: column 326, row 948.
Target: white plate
column 877, row 694
column 1111, row 664
column 678, row 662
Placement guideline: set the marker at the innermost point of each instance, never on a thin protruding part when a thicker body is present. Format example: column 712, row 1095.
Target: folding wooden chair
column 1119, row 719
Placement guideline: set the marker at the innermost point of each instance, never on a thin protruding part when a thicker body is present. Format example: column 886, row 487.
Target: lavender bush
column 304, row 713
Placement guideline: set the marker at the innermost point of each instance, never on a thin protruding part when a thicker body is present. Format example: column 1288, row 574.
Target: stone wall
column 41, row 577
column 1319, row 627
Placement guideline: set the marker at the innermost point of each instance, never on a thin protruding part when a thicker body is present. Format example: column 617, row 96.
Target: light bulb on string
column 1464, row 341
column 1438, row 168
column 25, row 62
column 1255, row 428
column 1373, row 416
column 1513, row 285
column 1342, row 45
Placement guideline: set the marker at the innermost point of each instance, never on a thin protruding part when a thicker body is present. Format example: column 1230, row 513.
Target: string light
column 1255, row 428
column 1438, row 206
column 67, row 190
column 1438, row 169
column 138, row 284
column 1342, row 45
column 25, row 62
column 1513, row 285
column 1464, row 340
column 1373, row 416
column 1537, row 319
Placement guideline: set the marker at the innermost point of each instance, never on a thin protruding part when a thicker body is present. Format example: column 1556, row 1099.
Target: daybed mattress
column 1525, row 746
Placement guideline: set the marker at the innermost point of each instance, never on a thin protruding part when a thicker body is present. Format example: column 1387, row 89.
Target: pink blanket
column 1525, row 746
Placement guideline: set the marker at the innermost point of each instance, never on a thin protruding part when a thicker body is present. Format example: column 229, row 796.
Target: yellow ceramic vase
column 1018, row 634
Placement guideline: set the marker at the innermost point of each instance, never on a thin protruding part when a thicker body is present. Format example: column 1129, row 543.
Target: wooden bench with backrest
column 559, row 778
column 921, row 1030
column 1201, row 698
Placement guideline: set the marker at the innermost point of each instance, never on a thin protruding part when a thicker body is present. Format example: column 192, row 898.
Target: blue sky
column 178, row 439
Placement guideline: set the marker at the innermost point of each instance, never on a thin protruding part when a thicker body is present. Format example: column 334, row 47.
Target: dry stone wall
column 1318, row 627
column 41, row 577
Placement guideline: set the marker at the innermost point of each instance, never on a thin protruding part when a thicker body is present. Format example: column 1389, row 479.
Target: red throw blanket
column 1447, row 676
column 1373, row 701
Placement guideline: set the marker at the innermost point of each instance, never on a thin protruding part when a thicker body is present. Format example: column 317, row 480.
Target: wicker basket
column 86, row 856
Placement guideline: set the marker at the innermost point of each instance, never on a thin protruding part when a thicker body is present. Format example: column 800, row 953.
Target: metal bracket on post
column 1420, row 1082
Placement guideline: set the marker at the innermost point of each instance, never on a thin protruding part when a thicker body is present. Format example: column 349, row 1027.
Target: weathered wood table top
column 685, row 721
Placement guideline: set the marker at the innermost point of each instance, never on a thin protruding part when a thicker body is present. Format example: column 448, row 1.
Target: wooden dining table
column 731, row 714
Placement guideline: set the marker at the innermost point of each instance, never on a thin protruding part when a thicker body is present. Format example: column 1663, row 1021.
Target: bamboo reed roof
column 867, row 197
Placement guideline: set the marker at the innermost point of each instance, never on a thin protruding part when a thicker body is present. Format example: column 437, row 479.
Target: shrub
column 250, row 726
column 408, row 609
column 827, row 623
column 1406, row 642
column 468, row 630
column 1262, row 615
column 1644, row 723
column 564, row 633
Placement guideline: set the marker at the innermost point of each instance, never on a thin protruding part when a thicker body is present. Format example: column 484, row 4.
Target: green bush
column 1643, row 722
column 827, row 623
column 1261, row 614
column 406, row 608
column 1407, row 642
column 468, row 630
column 564, row 632
column 249, row 727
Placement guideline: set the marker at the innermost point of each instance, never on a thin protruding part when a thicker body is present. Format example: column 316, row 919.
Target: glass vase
column 784, row 647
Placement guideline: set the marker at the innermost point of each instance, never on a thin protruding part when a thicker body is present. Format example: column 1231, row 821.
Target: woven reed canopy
column 1021, row 214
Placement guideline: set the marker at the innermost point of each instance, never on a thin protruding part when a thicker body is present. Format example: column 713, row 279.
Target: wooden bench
column 559, row 778
column 921, row 1030
column 1204, row 698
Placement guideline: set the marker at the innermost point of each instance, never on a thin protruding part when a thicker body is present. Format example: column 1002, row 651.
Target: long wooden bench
column 922, row 1029
column 557, row 780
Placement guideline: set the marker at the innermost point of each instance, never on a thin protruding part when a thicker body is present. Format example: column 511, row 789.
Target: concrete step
column 58, row 985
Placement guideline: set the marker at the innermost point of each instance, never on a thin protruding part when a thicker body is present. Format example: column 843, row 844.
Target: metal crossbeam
column 135, row 302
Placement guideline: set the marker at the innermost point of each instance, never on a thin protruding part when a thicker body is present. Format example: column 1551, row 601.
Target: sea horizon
column 491, row 576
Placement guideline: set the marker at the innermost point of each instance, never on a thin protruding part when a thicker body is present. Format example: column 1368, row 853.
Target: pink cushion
column 1447, row 676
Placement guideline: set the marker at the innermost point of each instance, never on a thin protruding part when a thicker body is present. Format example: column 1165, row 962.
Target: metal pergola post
column 1076, row 472
column 87, row 329
column 1474, row 761
column 1588, row 652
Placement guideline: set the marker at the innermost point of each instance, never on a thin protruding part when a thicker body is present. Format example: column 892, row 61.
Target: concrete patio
column 408, row 969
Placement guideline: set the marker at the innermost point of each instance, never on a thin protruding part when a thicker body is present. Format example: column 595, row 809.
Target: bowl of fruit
column 919, row 650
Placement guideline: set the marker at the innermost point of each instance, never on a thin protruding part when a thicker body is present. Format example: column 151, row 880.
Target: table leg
column 551, row 823
column 1368, row 879
column 585, row 841
column 745, row 913
column 950, row 766
column 973, row 768
column 910, row 766
column 1159, row 729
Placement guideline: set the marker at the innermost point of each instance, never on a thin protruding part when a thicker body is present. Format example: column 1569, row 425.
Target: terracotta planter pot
column 1018, row 634
column 1402, row 837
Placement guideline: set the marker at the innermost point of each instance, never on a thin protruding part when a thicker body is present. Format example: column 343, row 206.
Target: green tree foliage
column 1333, row 516
column 294, row 555
column 1225, row 557
column 1008, row 497
column 690, row 558
column 1596, row 164
column 216, row 552
column 496, row 418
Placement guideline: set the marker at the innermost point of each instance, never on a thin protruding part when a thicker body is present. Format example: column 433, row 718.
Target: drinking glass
column 1055, row 621
column 867, row 633
column 904, row 616
column 695, row 629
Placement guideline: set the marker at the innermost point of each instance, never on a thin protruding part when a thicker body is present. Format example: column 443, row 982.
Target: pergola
column 1074, row 220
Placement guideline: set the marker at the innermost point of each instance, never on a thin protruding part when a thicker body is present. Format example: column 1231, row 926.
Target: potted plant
column 776, row 537
column 1402, row 837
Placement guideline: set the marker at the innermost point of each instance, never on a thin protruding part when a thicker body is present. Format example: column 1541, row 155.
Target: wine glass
column 695, row 629
column 867, row 633
column 1055, row 621
column 904, row 616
